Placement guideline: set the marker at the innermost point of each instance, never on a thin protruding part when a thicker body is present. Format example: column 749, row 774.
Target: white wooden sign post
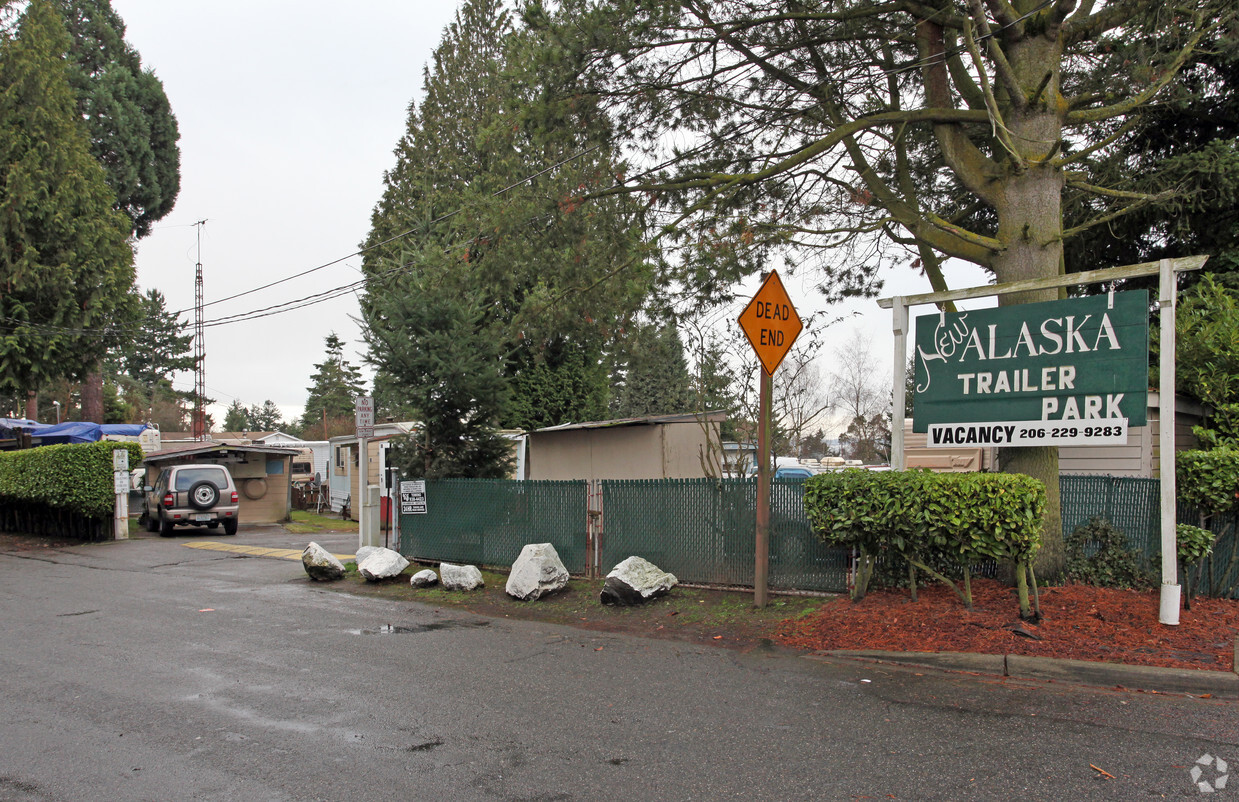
column 1166, row 269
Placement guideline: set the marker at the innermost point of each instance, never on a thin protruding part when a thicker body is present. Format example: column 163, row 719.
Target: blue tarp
column 70, row 432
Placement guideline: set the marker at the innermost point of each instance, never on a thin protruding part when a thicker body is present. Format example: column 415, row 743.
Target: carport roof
column 649, row 420
column 206, row 447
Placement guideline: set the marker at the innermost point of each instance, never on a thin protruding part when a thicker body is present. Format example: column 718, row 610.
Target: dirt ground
column 1079, row 621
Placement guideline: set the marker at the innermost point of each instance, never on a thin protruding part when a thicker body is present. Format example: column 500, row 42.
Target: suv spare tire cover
column 203, row 495
column 255, row 488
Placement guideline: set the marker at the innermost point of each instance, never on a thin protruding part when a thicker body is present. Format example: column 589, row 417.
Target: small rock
column 537, row 572
column 635, row 581
column 321, row 564
column 460, row 577
column 424, row 579
column 382, row 564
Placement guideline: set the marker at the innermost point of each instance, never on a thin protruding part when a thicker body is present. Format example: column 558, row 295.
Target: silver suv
column 192, row 495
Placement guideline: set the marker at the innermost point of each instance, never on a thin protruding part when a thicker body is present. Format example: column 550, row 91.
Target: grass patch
column 724, row 617
column 305, row 522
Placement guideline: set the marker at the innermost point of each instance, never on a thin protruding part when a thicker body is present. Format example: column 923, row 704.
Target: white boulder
column 364, row 552
column 424, row 579
column 382, row 564
column 321, row 564
column 460, row 577
column 537, row 572
column 635, row 581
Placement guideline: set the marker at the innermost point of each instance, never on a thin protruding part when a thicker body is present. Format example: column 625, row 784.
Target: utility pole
column 199, row 419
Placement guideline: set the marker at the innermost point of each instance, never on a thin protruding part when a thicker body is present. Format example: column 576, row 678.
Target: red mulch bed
column 1080, row 622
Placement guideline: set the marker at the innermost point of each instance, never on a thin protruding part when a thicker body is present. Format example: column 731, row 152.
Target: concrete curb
column 1223, row 684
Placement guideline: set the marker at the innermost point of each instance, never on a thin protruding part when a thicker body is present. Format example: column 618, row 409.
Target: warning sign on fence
column 413, row 497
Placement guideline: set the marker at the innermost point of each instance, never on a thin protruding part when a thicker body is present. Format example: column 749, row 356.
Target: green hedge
column 928, row 518
column 1209, row 481
column 70, row 478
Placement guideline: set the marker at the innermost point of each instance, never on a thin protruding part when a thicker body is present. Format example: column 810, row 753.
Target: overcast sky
column 288, row 115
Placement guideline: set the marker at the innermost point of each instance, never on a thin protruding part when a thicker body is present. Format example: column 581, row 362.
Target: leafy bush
column 71, row 478
column 1099, row 554
column 1194, row 544
column 926, row 518
column 1209, row 481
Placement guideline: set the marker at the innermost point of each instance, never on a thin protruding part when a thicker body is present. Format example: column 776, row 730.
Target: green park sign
column 1071, row 372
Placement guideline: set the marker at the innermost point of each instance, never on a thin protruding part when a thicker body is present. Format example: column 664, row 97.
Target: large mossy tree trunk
column 1029, row 211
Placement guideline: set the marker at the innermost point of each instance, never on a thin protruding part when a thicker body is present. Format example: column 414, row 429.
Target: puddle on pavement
column 413, row 629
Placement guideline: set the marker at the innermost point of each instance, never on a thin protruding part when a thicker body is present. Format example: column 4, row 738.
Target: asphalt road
column 144, row 670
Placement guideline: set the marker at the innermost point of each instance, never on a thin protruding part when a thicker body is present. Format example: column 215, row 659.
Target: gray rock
column 460, row 577
column 635, row 581
column 537, row 572
column 424, row 579
column 382, row 564
column 321, row 564
column 364, row 552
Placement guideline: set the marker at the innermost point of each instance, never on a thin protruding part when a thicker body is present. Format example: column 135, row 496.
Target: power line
column 403, row 234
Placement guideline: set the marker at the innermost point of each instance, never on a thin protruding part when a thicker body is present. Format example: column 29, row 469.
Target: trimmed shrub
column 51, row 489
column 927, row 518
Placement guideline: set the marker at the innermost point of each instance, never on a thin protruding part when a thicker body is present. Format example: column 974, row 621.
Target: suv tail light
column 167, row 500
column 234, row 497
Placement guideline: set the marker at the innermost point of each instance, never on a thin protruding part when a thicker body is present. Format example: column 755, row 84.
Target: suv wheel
column 166, row 527
column 230, row 526
column 152, row 525
column 203, row 495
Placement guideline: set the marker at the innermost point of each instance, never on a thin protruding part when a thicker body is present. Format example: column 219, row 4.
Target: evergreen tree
column 265, row 418
column 562, row 384
column 454, row 378
column 133, row 132
column 138, row 370
column 236, row 419
column 1182, row 154
column 65, row 262
column 654, row 378
column 550, row 278
column 334, row 386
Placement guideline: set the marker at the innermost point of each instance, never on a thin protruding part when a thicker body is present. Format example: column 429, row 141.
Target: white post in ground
column 370, row 527
column 899, row 324
column 120, row 482
column 1171, row 592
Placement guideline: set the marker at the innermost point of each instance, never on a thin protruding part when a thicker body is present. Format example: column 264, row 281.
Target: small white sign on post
column 413, row 497
column 363, row 406
column 120, row 484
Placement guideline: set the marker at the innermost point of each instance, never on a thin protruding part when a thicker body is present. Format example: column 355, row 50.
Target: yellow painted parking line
column 255, row 551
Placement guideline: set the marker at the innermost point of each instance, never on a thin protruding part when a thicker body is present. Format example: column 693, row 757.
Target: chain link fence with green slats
column 1133, row 506
column 703, row 530
column 488, row 521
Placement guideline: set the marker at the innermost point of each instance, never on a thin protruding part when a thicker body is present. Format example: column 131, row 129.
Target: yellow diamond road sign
column 771, row 323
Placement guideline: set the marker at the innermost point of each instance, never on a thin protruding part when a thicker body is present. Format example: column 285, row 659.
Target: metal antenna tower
column 199, row 418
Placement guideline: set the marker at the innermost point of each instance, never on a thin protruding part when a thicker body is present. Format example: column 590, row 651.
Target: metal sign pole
column 761, row 565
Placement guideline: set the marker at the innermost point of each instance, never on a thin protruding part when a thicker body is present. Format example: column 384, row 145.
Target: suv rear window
column 188, row 477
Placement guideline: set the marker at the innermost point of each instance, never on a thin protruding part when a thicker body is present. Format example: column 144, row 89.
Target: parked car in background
column 793, row 472
column 192, row 495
